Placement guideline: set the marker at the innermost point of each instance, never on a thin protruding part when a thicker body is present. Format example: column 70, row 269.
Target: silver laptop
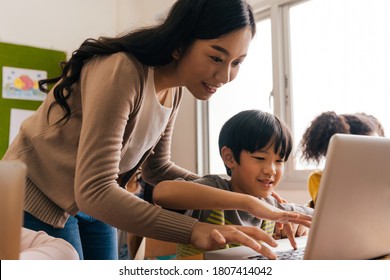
column 12, row 185
column 352, row 216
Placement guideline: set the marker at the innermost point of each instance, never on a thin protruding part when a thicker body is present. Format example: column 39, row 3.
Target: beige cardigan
column 74, row 166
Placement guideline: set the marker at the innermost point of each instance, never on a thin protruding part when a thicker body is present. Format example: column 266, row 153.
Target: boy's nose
column 270, row 170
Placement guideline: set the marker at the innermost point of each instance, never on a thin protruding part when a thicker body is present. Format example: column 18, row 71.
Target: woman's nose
column 223, row 75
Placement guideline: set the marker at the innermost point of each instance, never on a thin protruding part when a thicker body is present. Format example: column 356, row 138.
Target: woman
column 112, row 111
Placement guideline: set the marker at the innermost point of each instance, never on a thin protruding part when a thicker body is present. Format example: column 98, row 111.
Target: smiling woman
column 208, row 64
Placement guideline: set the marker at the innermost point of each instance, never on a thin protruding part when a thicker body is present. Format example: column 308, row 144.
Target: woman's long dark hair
column 187, row 21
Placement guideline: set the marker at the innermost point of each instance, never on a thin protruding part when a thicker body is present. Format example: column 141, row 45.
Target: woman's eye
column 216, row 59
column 237, row 63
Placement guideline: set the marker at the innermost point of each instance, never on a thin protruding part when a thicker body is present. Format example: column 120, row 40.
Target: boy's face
column 258, row 173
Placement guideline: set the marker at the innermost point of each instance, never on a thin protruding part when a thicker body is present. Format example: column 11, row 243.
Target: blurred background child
column 315, row 140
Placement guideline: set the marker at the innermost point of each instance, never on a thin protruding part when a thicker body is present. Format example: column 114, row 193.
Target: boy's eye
column 259, row 158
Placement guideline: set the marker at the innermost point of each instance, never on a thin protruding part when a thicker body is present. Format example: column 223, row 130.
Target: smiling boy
column 254, row 147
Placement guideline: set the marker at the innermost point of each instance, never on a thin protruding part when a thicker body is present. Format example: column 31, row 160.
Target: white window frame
column 278, row 12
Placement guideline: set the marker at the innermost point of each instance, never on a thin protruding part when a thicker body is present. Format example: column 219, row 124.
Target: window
column 313, row 56
column 339, row 60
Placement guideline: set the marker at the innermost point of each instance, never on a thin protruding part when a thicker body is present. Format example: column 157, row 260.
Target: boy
column 254, row 146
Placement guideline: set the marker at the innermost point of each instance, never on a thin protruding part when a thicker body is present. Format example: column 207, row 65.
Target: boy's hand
column 263, row 210
column 298, row 230
column 283, row 219
column 290, row 231
column 278, row 197
column 288, row 227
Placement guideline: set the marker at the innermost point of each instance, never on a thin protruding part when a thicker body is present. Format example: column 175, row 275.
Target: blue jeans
column 93, row 239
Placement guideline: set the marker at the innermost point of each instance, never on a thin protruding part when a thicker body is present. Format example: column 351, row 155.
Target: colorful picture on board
column 20, row 83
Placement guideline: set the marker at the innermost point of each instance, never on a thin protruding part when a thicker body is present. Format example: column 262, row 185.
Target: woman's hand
column 210, row 237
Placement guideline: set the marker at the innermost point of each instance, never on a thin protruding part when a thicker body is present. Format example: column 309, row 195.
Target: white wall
column 64, row 24
column 56, row 24
column 140, row 13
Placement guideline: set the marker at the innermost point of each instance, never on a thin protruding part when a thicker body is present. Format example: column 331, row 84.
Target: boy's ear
column 227, row 156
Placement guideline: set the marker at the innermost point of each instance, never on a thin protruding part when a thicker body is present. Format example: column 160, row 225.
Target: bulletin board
column 20, row 69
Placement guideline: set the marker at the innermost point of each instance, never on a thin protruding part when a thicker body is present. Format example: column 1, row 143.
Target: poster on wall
column 21, row 67
column 21, row 83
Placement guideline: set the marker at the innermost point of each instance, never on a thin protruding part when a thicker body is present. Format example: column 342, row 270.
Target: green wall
column 29, row 58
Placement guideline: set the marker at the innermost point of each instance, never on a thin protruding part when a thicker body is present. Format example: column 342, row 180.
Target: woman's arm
column 183, row 195
column 189, row 195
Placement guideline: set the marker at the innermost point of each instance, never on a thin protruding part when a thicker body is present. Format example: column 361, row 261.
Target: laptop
column 351, row 220
column 12, row 185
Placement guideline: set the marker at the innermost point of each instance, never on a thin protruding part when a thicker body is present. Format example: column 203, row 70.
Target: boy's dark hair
column 187, row 21
column 252, row 130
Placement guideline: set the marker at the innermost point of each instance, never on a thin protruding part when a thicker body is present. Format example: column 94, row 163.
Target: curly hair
column 315, row 140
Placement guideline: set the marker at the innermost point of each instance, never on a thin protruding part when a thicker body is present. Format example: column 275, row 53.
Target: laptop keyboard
column 284, row 255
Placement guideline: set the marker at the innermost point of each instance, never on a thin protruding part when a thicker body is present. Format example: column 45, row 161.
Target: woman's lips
column 210, row 89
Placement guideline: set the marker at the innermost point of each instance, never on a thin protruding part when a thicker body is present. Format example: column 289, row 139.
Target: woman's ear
column 176, row 54
column 227, row 157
